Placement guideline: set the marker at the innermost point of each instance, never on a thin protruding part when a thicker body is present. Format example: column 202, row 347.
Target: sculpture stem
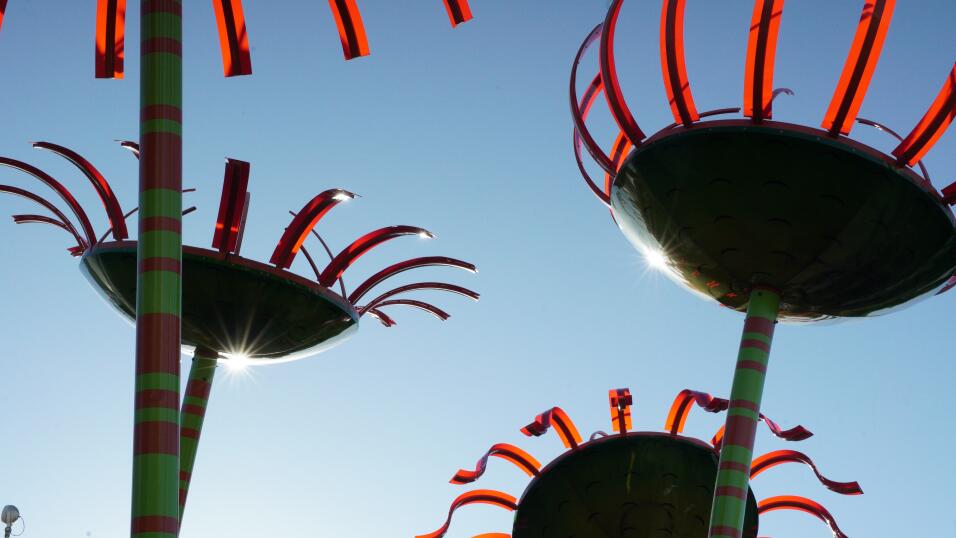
column 155, row 491
column 201, row 375
column 736, row 453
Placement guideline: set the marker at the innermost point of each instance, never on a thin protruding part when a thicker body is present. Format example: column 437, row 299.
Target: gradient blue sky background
column 465, row 132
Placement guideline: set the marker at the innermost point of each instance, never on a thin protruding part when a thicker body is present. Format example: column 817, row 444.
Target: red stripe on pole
column 734, row 466
column 756, row 344
column 731, row 491
column 155, row 524
column 197, row 388
column 197, row 410
column 151, row 398
column 161, row 224
column 742, row 430
column 673, row 64
column 152, row 328
column 859, row 67
column 173, row 7
column 932, row 126
column 161, row 112
column 110, row 37
column 161, row 154
column 722, row 530
column 190, row 433
column 162, row 44
column 752, row 365
column 156, row 437
column 233, row 38
column 759, row 325
column 160, row 264
column 761, row 52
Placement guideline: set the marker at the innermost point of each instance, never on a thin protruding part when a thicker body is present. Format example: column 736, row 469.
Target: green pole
column 736, row 452
column 155, row 499
column 201, row 375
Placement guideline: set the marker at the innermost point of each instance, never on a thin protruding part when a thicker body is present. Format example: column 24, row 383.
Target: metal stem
column 155, row 490
column 201, row 375
column 736, row 452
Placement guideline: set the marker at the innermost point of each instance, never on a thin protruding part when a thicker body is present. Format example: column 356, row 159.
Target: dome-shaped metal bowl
column 642, row 484
column 836, row 226
column 233, row 305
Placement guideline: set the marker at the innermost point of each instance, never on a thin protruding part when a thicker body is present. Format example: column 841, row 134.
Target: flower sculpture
column 234, row 308
column 783, row 221
column 632, row 483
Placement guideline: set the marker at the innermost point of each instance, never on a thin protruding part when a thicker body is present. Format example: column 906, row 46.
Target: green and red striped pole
column 736, row 452
column 201, row 375
column 155, row 503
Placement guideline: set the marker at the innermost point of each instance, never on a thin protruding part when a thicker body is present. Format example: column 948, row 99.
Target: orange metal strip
column 110, row 37
column 859, row 67
column 458, row 11
column 612, row 88
column 761, row 51
column 932, row 126
column 233, row 38
column 351, row 28
column 673, row 64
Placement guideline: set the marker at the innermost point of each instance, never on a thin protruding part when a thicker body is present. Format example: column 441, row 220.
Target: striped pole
column 155, row 503
column 194, row 411
column 736, row 452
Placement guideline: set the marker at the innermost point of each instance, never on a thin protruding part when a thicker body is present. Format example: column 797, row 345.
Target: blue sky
column 465, row 132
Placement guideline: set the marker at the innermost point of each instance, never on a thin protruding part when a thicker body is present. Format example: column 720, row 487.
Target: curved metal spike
column 620, row 150
column 612, row 88
column 673, row 65
column 683, row 403
column 231, row 206
column 420, row 286
column 401, row 267
column 60, row 190
column 505, row 451
column 478, row 496
column 859, row 66
column 579, row 110
column 458, row 11
column 587, row 101
column 3, row 9
column 761, row 52
column 932, row 126
column 802, row 504
column 233, row 38
column 381, row 316
column 421, row 305
column 42, row 219
column 48, row 205
column 779, row 457
column 563, row 424
column 343, row 260
column 110, row 37
column 133, row 147
column 351, row 28
column 880, row 127
column 302, row 223
column 112, row 205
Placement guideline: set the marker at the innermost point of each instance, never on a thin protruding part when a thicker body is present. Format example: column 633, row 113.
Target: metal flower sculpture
column 234, row 308
column 632, row 483
column 780, row 220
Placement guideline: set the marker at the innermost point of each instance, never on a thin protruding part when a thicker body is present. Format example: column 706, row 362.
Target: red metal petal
column 673, row 65
column 458, row 11
column 682, row 405
column 48, row 205
column 110, row 37
column 360, row 246
column 401, row 267
column 60, row 189
column 932, row 126
column 802, row 504
column 563, row 424
column 351, row 29
column 579, row 110
column 231, row 204
column 233, row 39
column 761, row 51
column 421, row 305
column 859, row 66
column 42, row 219
column 381, row 316
column 510, row 453
column 620, row 150
column 612, row 88
column 112, row 205
column 420, row 286
column 302, row 223
column 3, row 9
column 779, row 457
column 620, row 401
column 478, row 496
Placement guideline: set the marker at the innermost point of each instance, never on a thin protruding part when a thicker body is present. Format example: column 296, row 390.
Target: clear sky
column 467, row 133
